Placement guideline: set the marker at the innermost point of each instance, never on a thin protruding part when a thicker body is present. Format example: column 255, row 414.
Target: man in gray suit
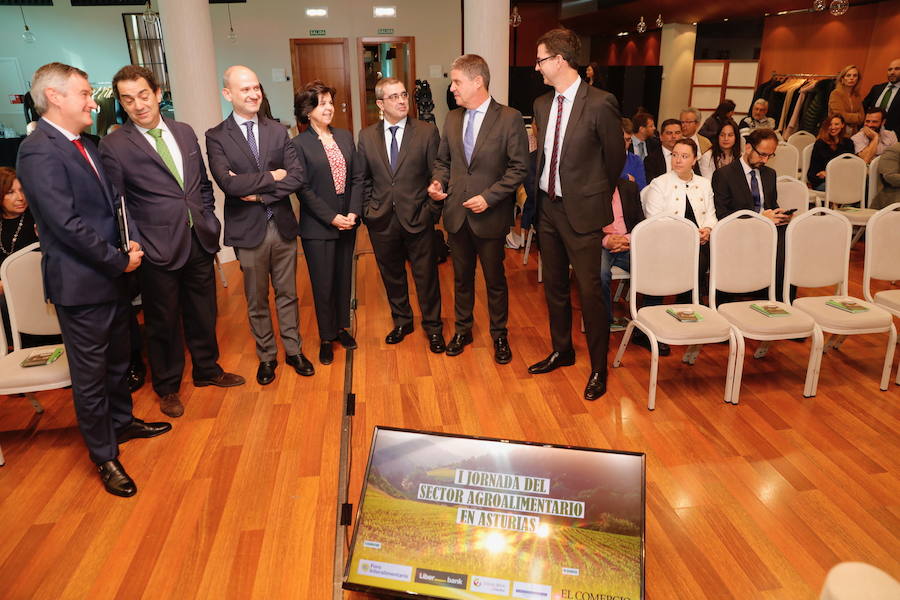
column 483, row 158
column 254, row 162
column 396, row 156
column 157, row 164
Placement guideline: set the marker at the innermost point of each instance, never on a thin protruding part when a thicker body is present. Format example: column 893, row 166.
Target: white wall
column 93, row 38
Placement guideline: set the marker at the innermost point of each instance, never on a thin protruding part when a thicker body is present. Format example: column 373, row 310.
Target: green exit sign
column 316, row 32
column 386, row 31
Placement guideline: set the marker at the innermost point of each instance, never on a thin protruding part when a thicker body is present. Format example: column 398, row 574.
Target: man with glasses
column 690, row 123
column 749, row 184
column 396, row 155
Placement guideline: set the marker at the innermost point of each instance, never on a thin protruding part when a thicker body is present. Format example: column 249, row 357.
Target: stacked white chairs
column 800, row 140
column 792, row 193
column 664, row 261
column 742, row 260
column 846, row 179
column 786, row 160
column 28, row 313
column 883, row 259
column 817, row 254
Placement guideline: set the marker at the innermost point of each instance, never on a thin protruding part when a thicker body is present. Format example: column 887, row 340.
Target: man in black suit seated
column 84, row 261
column 157, row 164
column 885, row 96
column 253, row 160
column 396, row 156
column 659, row 161
column 749, row 184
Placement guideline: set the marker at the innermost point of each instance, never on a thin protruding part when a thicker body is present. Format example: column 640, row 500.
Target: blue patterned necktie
column 254, row 150
column 395, row 150
column 754, row 191
column 469, row 137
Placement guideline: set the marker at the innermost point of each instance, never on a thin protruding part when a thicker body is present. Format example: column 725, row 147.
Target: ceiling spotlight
column 659, row 21
column 515, row 19
column 838, row 7
column 820, row 5
column 641, row 26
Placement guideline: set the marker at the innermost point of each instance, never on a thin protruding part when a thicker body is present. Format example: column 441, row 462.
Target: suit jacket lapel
column 380, row 133
column 405, row 144
column 240, row 141
column 184, row 146
column 265, row 136
column 574, row 116
column 490, row 118
column 542, row 117
column 143, row 144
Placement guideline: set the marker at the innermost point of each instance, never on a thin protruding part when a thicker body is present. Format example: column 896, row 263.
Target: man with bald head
column 885, row 96
column 253, row 160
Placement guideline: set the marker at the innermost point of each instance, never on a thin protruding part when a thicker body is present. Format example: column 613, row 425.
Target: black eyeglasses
column 763, row 154
column 538, row 62
column 395, row 97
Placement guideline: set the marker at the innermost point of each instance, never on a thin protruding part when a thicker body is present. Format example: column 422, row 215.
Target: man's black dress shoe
column 640, row 338
column 502, row 352
column 326, row 353
column 346, row 340
column 397, row 334
column 137, row 374
column 596, row 385
column 140, row 429
column 265, row 374
column 115, row 479
column 552, row 362
column 458, row 342
column 301, row 364
column 436, row 343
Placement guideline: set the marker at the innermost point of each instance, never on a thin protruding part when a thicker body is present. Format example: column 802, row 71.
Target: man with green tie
column 157, row 164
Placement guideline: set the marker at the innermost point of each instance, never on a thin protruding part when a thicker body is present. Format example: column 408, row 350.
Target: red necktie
column 84, row 153
column 551, row 184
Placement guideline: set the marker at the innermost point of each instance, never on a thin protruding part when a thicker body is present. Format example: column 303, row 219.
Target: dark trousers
column 180, row 307
column 562, row 246
column 97, row 348
column 393, row 245
column 330, row 265
column 465, row 249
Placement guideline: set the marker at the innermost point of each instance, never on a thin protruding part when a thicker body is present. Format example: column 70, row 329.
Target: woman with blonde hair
column 846, row 100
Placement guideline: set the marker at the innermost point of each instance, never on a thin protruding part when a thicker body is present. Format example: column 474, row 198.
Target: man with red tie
column 84, row 259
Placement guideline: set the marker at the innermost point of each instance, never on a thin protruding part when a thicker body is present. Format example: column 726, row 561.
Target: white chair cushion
column 858, row 216
column 889, row 299
column 670, row 330
column 749, row 321
column 835, row 319
column 15, row 380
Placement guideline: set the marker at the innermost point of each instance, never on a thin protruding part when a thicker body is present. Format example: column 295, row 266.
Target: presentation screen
column 448, row 516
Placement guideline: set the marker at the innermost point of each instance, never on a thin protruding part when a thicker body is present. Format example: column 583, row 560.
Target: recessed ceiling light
column 316, row 12
column 384, row 11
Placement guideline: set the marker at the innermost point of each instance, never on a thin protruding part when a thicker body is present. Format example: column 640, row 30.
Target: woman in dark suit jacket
column 330, row 203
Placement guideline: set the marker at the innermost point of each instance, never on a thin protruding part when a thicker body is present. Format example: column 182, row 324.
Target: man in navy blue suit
column 84, row 259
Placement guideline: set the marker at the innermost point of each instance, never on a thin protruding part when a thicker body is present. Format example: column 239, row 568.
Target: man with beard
column 873, row 139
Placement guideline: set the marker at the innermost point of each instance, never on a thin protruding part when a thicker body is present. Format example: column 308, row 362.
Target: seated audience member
column 659, row 161
column 723, row 113
column 845, row 99
column 683, row 193
column 889, row 171
column 644, row 140
column 885, row 96
column 757, row 118
column 627, row 213
column 873, row 139
column 690, row 123
column 634, row 166
column 832, row 142
column 16, row 230
column 724, row 151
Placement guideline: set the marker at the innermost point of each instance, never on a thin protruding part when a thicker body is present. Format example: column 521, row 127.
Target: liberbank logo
column 441, row 578
column 582, row 595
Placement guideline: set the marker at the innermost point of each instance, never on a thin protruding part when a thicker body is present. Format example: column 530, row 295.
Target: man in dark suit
column 254, row 162
column 580, row 156
column 396, row 156
column 885, row 96
column 748, row 184
column 644, row 140
column 158, row 165
column 85, row 258
column 659, row 161
column 483, row 157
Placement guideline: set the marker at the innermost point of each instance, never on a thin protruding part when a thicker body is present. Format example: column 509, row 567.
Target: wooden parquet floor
column 238, row 501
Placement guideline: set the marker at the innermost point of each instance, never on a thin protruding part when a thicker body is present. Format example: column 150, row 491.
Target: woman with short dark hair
column 330, row 203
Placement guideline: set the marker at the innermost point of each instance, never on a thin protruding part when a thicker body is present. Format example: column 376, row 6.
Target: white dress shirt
column 240, row 122
column 71, row 137
column 886, row 139
column 401, row 127
column 169, row 139
column 762, row 194
column 569, row 99
column 479, row 119
column 666, row 194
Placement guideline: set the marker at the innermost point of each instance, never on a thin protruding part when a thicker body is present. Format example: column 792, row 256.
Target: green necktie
column 886, row 99
column 163, row 149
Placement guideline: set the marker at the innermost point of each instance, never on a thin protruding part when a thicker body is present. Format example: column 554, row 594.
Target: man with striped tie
column 256, row 165
column 156, row 163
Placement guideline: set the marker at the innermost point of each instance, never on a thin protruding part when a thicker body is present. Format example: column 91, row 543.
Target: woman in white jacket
column 683, row 193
